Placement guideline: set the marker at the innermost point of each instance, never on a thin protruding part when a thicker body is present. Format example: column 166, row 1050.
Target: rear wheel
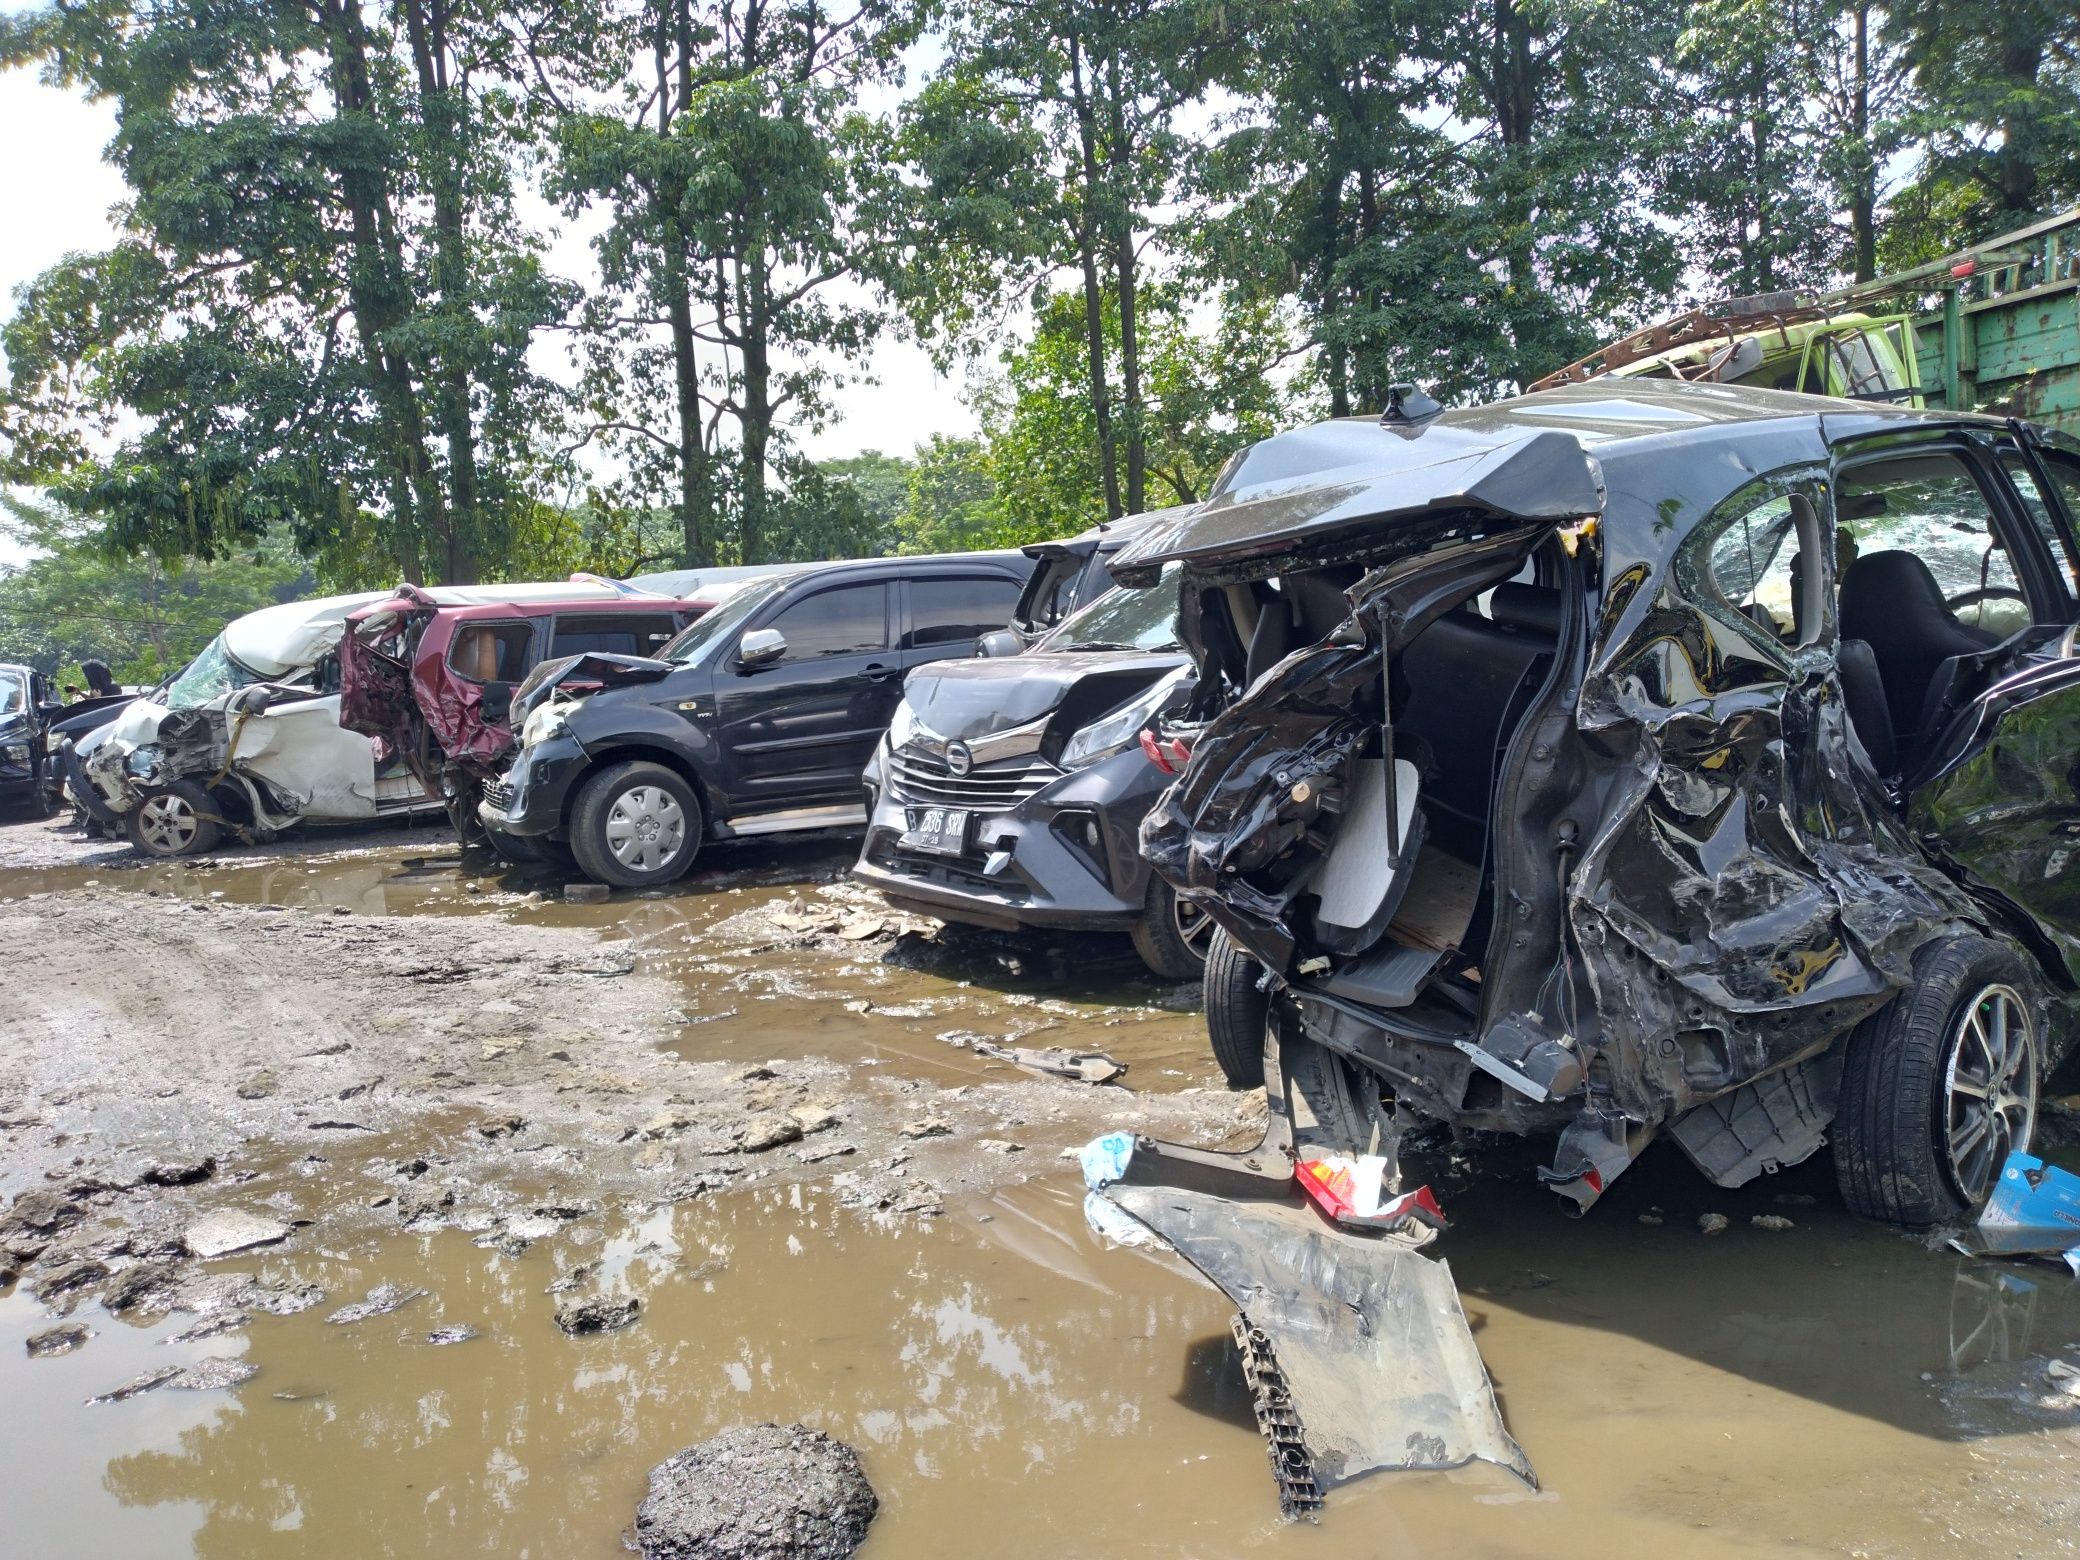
column 1940, row 1086
column 1172, row 934
column 174, row 820
column 1236, row 1010
column 635, row 825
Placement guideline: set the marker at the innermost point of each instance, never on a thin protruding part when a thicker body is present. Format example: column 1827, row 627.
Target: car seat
column 1891, row 601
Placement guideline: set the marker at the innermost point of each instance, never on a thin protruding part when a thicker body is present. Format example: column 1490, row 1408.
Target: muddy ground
column 748, row 1120
column 168, row 1051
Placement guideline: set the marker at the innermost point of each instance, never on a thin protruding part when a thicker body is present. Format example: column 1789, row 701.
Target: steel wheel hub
column 167, row 823
column 1989, row 1088
column 645, row 828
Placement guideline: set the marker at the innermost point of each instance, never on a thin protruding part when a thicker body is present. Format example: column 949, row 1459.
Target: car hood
column 981, row 697
column 600, row 673
column 1352, row 490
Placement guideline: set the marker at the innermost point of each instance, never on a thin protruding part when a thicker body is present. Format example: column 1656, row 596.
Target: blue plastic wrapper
column 1105, row 1159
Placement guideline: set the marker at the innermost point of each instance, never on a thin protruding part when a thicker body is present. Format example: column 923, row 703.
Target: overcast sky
column 57, row 191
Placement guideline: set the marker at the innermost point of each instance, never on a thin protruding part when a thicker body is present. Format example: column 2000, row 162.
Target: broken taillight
column 1169, row 754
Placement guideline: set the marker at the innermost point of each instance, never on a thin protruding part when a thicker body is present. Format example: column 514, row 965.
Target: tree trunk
column 1863, row 190
column 1126, row 279
column 696, row 479
column 1093, row 298
column 1514, row 85
column 757, row 420
column 442, row 115
column 376, row 291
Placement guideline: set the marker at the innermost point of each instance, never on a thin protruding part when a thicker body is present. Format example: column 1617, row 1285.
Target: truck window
column 849, row 620
column 491, row 652
column 612, row 633
column 952, row 611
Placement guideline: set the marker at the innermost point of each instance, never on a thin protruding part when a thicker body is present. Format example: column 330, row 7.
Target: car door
column 797, row 732
column 2002, row 790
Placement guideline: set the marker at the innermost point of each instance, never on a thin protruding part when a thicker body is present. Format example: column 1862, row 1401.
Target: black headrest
column 1531, row 609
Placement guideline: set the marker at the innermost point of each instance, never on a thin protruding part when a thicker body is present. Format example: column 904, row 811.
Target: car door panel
column 797, row 733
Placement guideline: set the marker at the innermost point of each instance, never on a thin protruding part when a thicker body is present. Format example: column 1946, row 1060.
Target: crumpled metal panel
column 1379, row 1363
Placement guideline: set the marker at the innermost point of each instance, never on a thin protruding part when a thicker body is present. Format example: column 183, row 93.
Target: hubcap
column 645, row 828
column 167, row 824
column 1989, row 1088
column 1194, row 925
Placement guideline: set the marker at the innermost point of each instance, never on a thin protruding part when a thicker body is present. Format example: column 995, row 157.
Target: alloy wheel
column 1989, row 1088
column 167, row 823
column 645, row 828
column 1194, row 925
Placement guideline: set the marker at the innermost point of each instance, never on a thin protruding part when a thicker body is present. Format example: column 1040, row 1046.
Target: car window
column 951, row 611
column 210, row 675
column 490, row 652
column 2038, row 508
column 1123, row 619
column 850, row 620
column 611, row 633
column 1931, row 506
column 13, row 694
column 1759, row 561
column 1052, row 593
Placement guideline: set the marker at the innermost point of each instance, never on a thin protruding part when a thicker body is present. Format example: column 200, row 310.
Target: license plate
column 943, row 831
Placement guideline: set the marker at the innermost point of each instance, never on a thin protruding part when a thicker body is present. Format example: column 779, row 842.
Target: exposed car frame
column 1694, row 880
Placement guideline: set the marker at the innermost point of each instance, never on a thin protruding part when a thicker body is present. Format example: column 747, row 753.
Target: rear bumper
column 1035, row 864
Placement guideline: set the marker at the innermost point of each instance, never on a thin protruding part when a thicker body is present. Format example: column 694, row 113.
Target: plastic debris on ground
column 1054, row 1061
column 2034, row 1212
column 1355, row 1347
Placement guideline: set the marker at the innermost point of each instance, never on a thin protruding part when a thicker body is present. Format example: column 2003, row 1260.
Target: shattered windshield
column 1124, row 619
column 209, row 676
column 721, row 622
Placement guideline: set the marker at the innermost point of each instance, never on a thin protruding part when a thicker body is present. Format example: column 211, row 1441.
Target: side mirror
column 761, row 647
column 998, row 642
column 254, row 700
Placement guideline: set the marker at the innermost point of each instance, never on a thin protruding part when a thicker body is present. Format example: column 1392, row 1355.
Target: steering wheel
column 1972, row 598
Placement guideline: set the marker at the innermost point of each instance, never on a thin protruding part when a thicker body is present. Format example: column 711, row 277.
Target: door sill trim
column 841, row 817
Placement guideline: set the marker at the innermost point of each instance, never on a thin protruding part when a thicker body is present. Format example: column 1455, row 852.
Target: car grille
column 922, row 779
column 499, row 795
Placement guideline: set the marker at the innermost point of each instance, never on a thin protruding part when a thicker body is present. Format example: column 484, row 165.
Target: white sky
column 58, row 191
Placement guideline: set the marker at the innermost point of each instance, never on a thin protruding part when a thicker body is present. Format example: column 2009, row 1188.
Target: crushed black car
column 27, row 778
column 1645, row 758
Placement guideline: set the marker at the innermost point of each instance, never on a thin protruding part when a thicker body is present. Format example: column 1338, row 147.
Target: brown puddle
column 1017, row 1390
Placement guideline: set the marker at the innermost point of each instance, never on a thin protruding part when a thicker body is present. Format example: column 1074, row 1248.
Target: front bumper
column 1032, row 864
column 529, row 799
column 81, row 786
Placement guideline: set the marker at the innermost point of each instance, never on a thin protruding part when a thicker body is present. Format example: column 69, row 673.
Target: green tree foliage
column 74, row 600
column 321, row 304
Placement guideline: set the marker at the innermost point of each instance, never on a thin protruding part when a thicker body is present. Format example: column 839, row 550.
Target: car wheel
column 635, row 825
column 1336, row 1103
column 1939, row 1086
column 1172, row 934
column 1236, row 1010
column 175, row 820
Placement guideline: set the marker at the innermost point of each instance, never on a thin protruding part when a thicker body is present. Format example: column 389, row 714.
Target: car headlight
column 142, row 763
column 1108, row 734
column 544, row 722
column 14, row 753
column 904, row 725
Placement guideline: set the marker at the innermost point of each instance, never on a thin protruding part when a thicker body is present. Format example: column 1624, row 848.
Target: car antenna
column 1406, row 406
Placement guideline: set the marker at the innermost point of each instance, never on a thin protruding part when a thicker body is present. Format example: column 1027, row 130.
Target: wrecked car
column 435, row 683
column 26, row 777
column 247, row 738
column 757, row 720
column 1069, row 573
column 1010, row 792
column 1637, row 758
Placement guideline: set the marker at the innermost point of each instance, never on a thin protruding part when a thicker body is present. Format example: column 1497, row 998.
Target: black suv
column 756, row 720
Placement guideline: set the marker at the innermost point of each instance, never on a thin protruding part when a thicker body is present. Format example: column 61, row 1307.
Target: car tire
column 1172, row 933
column 1916, row 1140
column 174, row 820
column 1236, row 1010
column 635, row 825
column 1336, row 1103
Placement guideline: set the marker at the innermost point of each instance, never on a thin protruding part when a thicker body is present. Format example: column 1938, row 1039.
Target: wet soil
column 546, row 1106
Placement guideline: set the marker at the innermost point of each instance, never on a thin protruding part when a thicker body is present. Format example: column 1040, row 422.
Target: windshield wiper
column 1098, row 644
